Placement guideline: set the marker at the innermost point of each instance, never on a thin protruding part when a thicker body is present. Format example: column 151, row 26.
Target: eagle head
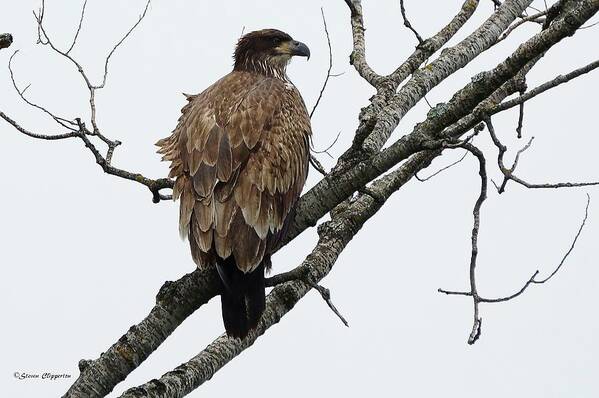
column 267, row 51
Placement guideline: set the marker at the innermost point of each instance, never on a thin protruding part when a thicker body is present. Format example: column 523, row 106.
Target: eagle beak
column 299, row 48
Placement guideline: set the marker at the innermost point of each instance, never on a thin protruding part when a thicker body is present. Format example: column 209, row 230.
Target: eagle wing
column 240, row 158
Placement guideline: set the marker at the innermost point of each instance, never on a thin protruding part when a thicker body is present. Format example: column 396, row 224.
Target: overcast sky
column 83, row 254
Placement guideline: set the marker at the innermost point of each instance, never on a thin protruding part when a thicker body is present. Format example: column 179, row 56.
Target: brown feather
column 204, row 180
column 224, row 165
column 203, row 214
column 223, row 246
column 186, row 208
column 211, row 148
column 202, row 238
column 239, row 155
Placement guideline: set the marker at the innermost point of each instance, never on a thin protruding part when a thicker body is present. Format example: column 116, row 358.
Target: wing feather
column 240, row 158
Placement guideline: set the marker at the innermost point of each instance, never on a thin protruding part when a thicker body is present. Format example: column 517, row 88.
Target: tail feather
column 242, row 297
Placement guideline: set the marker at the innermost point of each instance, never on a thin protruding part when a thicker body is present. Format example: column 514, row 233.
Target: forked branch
column 477, row 299
column 359, row 185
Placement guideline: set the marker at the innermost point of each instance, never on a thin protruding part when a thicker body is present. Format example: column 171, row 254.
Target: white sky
column 83, row 254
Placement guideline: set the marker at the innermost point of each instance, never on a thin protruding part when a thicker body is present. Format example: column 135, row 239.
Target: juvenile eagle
column 240, row 156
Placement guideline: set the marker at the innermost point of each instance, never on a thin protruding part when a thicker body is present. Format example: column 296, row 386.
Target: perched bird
column 240, row 156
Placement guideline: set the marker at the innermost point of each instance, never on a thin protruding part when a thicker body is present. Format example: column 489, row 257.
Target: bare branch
column 326, row 80
column 441, row 169
column 407, row 23
column 82, row 132
column 477, row 323
column 334, row 235
column 28, row 133
column 534, row 18
column 558, row 80
column 532, row 279
column 520, row 115
column 299, row 274
column 358, row 55
column 155, row 186
column 586, row 215
column 68, row 124
column 425, row 79
column 326, row 150
column 589, row 26
column 313, row 160
column 431, row 45
column 347, row 180
column 326, row 296
column 317, row 165
column 141, row 17
column 44, row 39
column 508, row 173
column 174, row 303
column 78, row 28
column 371, row 113
column 336, row 191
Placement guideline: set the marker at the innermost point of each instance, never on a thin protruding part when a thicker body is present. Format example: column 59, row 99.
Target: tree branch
column 78, row 28
column 433, row 44
column 361, row 171
column 450, row 60
column 326, row 80
column 343, row 181
column 313, row 160
column 358, row 55
column 508, row 173
column 407, row 23
column 532, row 279
column 558, row 80
column 334, row 235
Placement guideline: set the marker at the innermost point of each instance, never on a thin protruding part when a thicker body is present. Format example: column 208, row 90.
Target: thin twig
column 141, row 17
column 326, row 296
column 313, row 161
column 326, row 150
column 520, row 152
column 407, row 23
column 298, row 274
column 589, row 26
column 442, row 169
column 532, row 279
column 532, row 18
column 521, row 114
column 508, row 173
column 427, row 102
column 326, row 80
column 586, row 215
column 558, row 80
column 68, row 124
column 82, row 132
column 78, row 28
column 50, row 137
column 477, row 323
column 317, row 165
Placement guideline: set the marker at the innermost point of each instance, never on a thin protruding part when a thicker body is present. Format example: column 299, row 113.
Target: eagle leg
column 242, row 297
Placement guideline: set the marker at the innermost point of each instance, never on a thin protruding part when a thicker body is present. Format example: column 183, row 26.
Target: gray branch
column 357, row 187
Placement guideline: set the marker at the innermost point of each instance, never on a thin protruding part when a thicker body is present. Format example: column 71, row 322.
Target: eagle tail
column 242, row 297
